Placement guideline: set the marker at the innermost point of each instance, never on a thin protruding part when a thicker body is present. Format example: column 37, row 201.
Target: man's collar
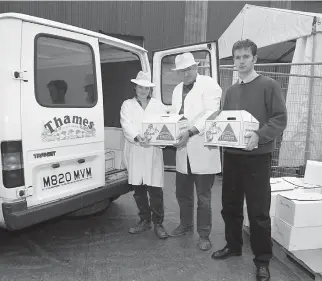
column 189, row 87
column 249, row 78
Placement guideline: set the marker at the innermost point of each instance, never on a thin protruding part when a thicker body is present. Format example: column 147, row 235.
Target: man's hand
column 142, row 142
column 252, row 142
column 183, row 139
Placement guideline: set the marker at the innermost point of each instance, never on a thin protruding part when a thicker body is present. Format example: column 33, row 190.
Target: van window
column 64, row 73
column 170, row 79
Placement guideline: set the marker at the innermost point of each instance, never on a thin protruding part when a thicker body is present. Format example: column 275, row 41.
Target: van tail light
column 12, row 164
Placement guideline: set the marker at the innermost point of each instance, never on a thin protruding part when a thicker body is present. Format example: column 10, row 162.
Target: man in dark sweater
column 246, row 172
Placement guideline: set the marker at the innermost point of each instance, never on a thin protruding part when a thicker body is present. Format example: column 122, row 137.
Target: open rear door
column 166, row 79
column 61, row 113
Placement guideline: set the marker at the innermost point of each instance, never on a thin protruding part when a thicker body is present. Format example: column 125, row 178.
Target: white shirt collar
column 249, row 78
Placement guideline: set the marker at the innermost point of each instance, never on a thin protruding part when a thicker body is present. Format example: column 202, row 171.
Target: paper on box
column 300, row 209
column 113, row 138
column 281, row 184
column 164, row 129
column 229, row 127
column 313, row 173
column 296, row 238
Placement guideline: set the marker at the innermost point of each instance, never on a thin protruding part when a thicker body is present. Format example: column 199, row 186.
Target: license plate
column 66, row 178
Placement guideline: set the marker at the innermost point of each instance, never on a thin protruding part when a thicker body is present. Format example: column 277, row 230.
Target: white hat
column 184, row 60
column 143, row 79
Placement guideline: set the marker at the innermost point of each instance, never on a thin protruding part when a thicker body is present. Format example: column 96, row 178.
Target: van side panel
column 10, row 117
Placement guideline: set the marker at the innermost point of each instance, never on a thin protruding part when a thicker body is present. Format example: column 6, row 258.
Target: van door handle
column 56, row 165
column 80, row 161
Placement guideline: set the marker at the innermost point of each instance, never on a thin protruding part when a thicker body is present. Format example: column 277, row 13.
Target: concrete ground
column 99, row 248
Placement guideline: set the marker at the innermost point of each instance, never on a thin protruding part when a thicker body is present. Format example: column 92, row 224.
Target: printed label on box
column 165, row 134
column 228, row 135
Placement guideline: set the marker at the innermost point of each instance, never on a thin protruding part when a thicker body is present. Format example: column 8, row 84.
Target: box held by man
column 229, row 128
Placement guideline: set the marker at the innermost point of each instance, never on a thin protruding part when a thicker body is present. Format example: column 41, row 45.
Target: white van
column 62, row 90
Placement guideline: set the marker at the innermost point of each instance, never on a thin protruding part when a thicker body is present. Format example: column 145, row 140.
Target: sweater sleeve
column 277, row 120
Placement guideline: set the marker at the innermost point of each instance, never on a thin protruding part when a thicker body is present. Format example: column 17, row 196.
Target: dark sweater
column 263, row 99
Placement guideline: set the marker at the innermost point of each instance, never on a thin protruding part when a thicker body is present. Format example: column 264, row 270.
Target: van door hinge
column 20, row 75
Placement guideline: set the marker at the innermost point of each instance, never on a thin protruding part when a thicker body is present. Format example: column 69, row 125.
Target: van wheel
column 94, row 209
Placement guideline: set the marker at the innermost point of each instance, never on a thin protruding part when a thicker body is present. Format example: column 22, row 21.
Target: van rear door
column 61, row 113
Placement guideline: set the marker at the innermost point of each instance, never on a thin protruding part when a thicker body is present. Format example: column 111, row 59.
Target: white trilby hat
column 184, row 60
column 143, row 79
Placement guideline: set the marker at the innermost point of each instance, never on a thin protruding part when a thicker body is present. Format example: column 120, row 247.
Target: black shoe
column 141, row 226
column 160, row 231
column 181, row 230
column 263, row 273
column 225, row 253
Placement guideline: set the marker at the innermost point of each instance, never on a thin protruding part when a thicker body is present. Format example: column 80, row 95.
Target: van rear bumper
column 17, row 215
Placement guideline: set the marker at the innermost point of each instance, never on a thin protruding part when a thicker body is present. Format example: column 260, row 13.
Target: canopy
column 268, row 27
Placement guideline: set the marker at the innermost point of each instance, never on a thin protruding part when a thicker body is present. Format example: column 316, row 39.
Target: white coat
column 144, row 165
column 199, row 104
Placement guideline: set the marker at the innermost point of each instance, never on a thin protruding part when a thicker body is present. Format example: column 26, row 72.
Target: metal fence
column 301, row 86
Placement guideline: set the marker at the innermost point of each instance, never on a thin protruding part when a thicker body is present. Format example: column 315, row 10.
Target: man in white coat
column 196, row 97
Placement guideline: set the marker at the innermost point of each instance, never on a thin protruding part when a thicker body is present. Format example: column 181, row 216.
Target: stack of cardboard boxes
column 298, row 221
column 296, row 209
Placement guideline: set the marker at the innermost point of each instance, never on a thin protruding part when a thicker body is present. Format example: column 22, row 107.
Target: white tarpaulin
column 273, row 30
column 302, row 139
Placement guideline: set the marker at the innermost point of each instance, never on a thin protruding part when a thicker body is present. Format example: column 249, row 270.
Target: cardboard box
column 113, row 138
column 109, row 161
column 229, row 127
column 164, row 129
column 300, row 209
column 296, row 238
column 117, row 156
column 313, row 173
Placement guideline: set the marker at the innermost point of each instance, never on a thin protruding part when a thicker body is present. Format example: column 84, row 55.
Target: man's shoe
column 181, row 230
column 225, row 253
column 141, row 226
column 160, row 231
column 204, row 244
column 263, row 273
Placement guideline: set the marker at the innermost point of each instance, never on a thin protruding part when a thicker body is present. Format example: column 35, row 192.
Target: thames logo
column 228, row 135
column 68, row 127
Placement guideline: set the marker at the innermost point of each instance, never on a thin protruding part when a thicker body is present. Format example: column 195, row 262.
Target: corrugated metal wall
column 160, row 22
column 163, row 24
